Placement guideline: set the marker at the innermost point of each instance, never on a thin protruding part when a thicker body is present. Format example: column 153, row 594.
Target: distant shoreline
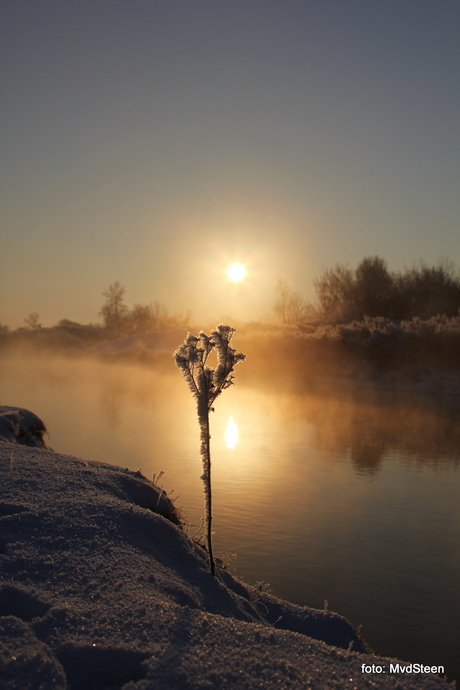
column 420, row 356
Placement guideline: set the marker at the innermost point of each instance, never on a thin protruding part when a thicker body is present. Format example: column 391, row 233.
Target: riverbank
column 418, row 355
column 102, row 588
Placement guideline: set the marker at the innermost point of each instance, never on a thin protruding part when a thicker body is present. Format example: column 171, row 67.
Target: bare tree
column 32, row 321
column 114, row 311
column 289, row 305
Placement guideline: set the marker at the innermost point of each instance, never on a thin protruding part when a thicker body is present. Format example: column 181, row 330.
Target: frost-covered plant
column 206, row 384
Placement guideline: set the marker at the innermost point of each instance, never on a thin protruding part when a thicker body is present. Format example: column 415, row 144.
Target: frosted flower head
column 204, row 382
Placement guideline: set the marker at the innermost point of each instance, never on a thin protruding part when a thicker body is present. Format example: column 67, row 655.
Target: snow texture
column 101, row 589
column 21, row 426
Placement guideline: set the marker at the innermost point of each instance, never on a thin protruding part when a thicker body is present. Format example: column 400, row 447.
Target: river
column 347, row 499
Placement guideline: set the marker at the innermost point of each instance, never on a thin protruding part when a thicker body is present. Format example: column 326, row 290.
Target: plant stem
column 209, row 496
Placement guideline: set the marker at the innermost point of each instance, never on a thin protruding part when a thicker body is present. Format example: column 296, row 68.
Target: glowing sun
column 236, row 272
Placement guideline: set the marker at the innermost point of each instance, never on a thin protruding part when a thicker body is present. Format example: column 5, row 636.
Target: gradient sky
column 155, row 141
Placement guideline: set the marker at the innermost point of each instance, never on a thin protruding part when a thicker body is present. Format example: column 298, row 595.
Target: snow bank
column 21, row 426
column 101, row 589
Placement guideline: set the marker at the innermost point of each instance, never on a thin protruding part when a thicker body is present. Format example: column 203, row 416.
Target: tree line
column 345, row 294
column 142, row 318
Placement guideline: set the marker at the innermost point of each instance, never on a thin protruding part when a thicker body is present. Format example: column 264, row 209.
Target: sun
column 236, row 272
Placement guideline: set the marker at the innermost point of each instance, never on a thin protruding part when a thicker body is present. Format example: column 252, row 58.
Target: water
column 349, row 497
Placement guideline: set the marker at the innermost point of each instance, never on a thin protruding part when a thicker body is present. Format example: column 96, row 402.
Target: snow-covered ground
column 101, row 589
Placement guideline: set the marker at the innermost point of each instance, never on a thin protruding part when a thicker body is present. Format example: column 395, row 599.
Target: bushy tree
column 429, row 290
column 335, row 290
column 141, row 319
column 154, row 317
column 371, row 290
column 67, row 323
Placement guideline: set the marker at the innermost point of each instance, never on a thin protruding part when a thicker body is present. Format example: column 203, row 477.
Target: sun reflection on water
column 231, row 434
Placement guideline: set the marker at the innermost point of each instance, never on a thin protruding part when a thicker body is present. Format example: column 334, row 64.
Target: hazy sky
column 155, row 141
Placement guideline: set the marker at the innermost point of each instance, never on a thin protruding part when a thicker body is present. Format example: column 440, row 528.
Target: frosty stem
column 207, row 474
column 205, row 385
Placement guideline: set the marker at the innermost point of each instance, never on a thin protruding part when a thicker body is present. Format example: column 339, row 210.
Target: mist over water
column 347, row 495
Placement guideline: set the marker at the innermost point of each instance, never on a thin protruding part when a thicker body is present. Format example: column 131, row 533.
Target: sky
column 153, row 142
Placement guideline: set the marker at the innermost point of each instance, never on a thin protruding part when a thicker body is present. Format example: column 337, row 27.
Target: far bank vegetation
column 366, row 320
